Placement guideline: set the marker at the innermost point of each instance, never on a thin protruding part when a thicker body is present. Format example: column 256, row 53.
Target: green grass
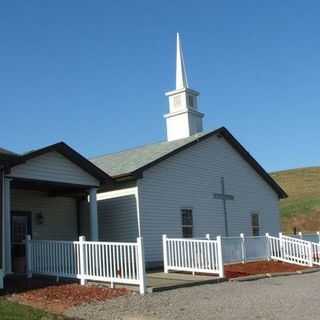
column 298, row 207
column 301, row 209
column 14, row 311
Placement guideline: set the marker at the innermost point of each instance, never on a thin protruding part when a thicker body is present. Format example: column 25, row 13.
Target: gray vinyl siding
column 117, row 219
column 60, row 214
column 188, row 180
column 54, row 167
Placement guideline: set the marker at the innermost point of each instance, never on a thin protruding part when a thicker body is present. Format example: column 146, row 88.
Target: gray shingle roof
column 128, row 161
column 6, row 155
column 136, row 160
column 6, row 152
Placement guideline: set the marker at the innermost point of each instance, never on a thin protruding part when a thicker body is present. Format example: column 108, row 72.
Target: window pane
column 255, row 231
column 190, row 101
column 255, row 224
column 187, row 232
column 187, row 223
column 187, row 217
column 255, row 219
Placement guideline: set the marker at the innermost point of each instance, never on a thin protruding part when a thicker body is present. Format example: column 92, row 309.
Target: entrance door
column 20, row 227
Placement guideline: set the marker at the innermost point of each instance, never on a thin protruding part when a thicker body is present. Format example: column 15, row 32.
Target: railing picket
column 133, row 262
column 113, row 261
column 117, row 255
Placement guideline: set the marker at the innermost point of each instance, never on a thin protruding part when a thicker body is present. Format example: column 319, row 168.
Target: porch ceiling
column 53, row 188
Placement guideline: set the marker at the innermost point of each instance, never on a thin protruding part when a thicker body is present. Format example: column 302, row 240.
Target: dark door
column 20, row 227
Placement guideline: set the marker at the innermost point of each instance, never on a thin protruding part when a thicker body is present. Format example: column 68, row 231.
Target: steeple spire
column 181, row 75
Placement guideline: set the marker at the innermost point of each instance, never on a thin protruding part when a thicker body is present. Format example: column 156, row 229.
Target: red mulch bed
column 259, row 267
column 57, row 297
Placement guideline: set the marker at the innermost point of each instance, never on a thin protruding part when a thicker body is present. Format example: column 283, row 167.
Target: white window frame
column 255, row 227
column 191, row 226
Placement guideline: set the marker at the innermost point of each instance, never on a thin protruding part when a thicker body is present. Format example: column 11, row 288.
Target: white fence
column 208, row 256
column 302, row 249
column 193, row 255
column 114, row 262
column 244, row 248
column 291, row 250
column 313, row 237
column 315, row 253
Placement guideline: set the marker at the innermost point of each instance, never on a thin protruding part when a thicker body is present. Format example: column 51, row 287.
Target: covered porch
column 46, row 211
column 41, row 195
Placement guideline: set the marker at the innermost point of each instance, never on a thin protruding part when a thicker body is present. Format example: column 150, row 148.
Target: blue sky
column 94, row 73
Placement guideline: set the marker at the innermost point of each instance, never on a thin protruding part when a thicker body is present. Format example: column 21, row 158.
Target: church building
column 193, row 184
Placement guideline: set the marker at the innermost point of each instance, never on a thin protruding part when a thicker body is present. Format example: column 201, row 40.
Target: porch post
column 93, row 215
column 7, row 225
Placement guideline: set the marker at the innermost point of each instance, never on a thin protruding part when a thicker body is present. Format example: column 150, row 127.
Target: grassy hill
column 302, row 208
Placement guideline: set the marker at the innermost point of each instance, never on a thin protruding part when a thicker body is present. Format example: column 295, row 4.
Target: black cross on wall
column 224, row 197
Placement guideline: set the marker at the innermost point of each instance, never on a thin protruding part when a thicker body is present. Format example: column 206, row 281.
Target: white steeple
column 183, row 119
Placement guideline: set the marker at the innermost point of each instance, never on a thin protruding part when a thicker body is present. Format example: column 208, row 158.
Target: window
column 187, row 223
column 177, row 102
column 255, row 224
column 190, row 98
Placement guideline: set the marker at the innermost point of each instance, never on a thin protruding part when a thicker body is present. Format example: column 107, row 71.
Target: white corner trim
column 1, row 279
column 117, row 193
column 3, row 223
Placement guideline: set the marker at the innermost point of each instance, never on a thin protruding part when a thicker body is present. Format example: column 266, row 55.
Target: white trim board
column 117, row 193
column 1, row 279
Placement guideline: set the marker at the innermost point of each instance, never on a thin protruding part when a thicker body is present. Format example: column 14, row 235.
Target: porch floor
column 160, row 281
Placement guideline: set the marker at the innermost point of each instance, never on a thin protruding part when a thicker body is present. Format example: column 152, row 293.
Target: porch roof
column 9, row 160
column 6, row 156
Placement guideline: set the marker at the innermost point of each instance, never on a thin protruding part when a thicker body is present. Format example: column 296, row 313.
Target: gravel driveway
column 294, row 297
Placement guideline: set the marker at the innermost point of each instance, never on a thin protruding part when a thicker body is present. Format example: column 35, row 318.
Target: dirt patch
column 58, row 297
column 306, row 222
column 259, row 267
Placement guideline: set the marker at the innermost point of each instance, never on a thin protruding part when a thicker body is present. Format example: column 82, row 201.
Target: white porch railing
column 291, row 250
column 193, row 255
column 315, row 253
column 313, row 237
column 114, row 262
